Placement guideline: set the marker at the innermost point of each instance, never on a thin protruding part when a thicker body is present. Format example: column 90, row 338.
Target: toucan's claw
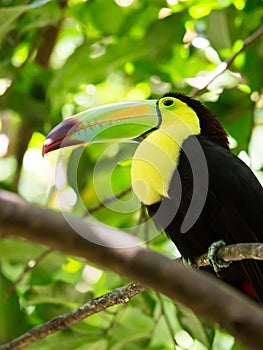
column 216, row 263
column 188, row 262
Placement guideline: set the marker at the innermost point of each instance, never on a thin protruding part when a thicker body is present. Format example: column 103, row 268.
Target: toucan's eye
column 168, row 102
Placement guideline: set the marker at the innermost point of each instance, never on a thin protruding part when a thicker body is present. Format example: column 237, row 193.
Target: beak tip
column 47, row 146
column 43, row 152
column 58, row 137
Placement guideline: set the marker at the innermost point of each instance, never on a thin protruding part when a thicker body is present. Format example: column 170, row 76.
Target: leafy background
column 60, row 57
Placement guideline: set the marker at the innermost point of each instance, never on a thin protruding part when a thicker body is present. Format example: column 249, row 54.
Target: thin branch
column 105, row 202
column 118, row 296
column 234, row 252
column 30, row 265
column 166, row 318
column 115, row 250
column 46, row 40
column 223, row 66
column 144, row 217
column 155, row 324
column 115, row 318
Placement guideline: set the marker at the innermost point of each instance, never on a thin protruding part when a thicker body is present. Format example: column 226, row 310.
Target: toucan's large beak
column 118, row 121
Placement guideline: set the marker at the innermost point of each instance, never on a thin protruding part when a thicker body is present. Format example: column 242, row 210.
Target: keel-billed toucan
column 183, row 171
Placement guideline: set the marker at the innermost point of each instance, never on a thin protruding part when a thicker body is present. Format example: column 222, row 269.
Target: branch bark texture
column 118, row 296
column 223, row 66
column 120, row 252
column 234, row 252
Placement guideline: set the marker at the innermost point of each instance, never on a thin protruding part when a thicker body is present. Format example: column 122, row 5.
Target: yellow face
column 156, row 158
column 174, row 111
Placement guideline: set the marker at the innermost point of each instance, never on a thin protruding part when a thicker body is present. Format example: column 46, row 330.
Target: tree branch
column 234, row 252
column 106, row 201
column 166, row 319
column 118, row 296
column 223, row 66
column 30, row 265
column 121, row 295
column 115, row 250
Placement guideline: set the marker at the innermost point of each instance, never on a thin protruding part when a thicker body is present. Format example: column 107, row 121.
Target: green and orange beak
column 114, row 122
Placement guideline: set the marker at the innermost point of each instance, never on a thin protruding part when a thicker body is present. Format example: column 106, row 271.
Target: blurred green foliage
column 60, row 57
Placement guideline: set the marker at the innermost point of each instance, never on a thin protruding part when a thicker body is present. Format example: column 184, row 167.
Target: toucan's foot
column 216, row 263
column 188, row 262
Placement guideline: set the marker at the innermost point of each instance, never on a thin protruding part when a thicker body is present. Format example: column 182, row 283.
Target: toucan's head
column 162, row 126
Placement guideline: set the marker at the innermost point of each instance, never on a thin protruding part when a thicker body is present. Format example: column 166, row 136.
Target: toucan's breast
column 156, row 158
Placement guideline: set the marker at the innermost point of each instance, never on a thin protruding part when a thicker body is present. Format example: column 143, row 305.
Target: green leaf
column 71, row 339
column 252, row 68
column 133, row 328
column 219, row 39
column 37, row 3
column 56, row 293
column 9, row 14
column 25, row 251
column 79, row 169
column 222, row 341
column 12, row 322
column 109, row 21
column 46, row 271
column 237, row 121
column 82, row 67
column 194, row 326
column 125, row 163
column 161, row 46
column 238, row 346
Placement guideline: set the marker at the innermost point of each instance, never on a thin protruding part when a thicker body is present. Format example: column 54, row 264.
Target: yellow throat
column 157, row 156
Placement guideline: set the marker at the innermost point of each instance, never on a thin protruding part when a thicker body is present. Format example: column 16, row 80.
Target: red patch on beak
column 59, row 136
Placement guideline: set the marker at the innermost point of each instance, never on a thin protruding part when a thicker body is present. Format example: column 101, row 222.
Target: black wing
column 233, row 209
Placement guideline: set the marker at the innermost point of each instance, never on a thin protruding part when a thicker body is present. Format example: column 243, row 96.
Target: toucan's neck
column 156, row 158
column 210, row 125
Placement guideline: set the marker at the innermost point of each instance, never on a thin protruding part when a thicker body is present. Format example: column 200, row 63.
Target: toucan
column 183, row 171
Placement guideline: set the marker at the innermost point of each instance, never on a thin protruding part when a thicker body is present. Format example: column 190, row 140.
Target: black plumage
column 233, row 208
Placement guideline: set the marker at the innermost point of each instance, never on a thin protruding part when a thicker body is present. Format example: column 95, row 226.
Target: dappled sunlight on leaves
column 58, row 58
